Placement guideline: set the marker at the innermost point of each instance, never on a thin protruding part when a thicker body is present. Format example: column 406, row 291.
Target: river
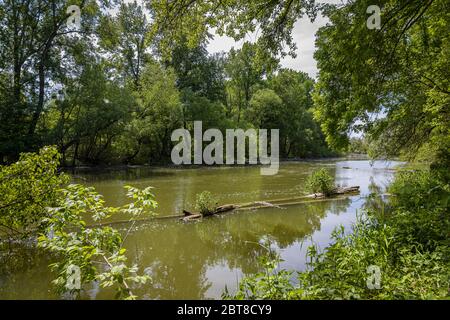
column 198, row 260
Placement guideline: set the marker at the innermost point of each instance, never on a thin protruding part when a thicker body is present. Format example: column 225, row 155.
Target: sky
column 303, row 34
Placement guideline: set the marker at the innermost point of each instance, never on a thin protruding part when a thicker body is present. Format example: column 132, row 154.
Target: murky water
column 197, row 260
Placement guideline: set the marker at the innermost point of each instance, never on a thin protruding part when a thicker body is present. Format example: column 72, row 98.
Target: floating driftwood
column 188, row 216
column 337, row 191
column 338, row 194
column 278, row 203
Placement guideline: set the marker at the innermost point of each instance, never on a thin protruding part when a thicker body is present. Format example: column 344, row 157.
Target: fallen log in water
column 191, row 216
column 188, row 216
column 226, row 208
column 337, row 191
column 280, row 203
column 276, row 203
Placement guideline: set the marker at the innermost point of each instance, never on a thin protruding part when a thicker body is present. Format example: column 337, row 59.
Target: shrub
column 320, row 181
column 36, row 204
column 428, row 190
column 341, row 270
column 206, row 203
column 27, row 187
column 410, row 247
column 269, row 284
column 421, row 208
column 97, row 253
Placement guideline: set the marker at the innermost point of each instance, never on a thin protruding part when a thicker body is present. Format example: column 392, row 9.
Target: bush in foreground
column 409, row 245
column 38, row 204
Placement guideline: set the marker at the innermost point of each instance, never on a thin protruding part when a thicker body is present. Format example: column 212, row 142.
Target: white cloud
column 304, row 36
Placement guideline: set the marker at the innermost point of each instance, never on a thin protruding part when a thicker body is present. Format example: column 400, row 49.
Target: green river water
column 198, row 260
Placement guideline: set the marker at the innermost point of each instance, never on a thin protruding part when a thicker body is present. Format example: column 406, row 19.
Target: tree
column 34, row 36
column 201, row 81
column 392, row 83
column 157, row 114
column 266, row 110
column 85, row 121
column 275, row 20
column 127, row 37
column 286, row 104
column 38, row 204
column 198, row 72
column 83, row 89
column 300, row 134
column 245, row 71
column 28, row 187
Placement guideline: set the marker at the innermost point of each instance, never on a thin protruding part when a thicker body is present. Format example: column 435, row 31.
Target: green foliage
column 245, row 72
column 123, row 97
column 86, row 120
column 206, row 203
column 27, row 188
column 320, row 181
column 300, row 134
column 269, row 284
column 199, row 72
column 358, row 146
column 340, row 272
column 429, row 191
column 146, row 136
column 174, row 22
column 96, row 251
column 200, row 108
column 397, row 71
column 36, row 204
column 265, row 109
column 41, row 58
column 409, row 246
column 421, row 202
column 126, row 37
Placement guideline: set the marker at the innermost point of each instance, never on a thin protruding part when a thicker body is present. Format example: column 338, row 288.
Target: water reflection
column 218, row 245
column 197, row 260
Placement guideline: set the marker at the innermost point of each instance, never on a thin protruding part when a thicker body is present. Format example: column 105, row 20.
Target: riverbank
column 400, row 250
column 169, row 165
column 197, row 261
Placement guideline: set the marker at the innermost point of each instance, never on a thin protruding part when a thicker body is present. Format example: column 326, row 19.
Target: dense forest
column 112, row 91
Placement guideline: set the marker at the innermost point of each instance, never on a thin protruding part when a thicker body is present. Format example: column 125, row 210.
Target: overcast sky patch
column 303, row 35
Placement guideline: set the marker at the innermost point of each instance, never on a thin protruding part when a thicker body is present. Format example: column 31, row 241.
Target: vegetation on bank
column 110, row 93
column 399, row 71
column 407, row 238
column 113, row 91
column 39, row 208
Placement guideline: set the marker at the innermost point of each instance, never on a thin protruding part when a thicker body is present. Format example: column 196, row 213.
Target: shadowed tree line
column 113, row 91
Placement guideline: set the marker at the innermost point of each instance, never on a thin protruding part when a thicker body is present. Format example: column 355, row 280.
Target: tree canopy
column 113, row 90
column 89, row 90
column 392, row 83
